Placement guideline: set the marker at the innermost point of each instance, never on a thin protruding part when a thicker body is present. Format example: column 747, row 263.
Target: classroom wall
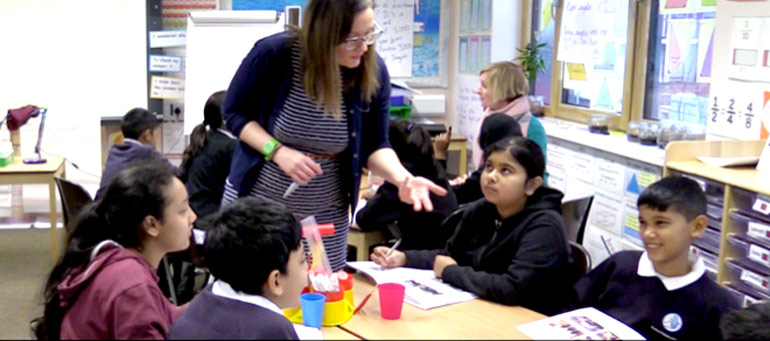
column 83, row 59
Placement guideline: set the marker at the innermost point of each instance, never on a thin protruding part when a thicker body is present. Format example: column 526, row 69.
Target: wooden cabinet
column 739, row 213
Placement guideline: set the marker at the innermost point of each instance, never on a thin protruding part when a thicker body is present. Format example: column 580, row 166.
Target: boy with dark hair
column 254, row 251
column 663, row 292
column 138, row 146
column 750, row 323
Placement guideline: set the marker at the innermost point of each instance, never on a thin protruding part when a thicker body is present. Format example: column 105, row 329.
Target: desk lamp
column 19, row 117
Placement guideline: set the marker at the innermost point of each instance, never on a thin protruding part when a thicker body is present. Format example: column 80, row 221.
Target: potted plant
column 532, row 63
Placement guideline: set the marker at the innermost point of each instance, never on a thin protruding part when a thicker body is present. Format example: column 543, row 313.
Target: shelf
column 746, row 178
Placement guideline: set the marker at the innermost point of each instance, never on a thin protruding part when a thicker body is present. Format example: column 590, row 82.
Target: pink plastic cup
column 391, row 300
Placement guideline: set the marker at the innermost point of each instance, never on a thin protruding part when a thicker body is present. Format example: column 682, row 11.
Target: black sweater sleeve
column 586, row 292
column 382, row 209
column 534, row 270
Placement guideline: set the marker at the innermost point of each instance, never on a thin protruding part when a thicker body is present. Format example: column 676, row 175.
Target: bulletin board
column 414, row 44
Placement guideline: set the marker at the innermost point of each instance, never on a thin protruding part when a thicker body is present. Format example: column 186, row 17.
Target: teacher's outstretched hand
column 416, row 191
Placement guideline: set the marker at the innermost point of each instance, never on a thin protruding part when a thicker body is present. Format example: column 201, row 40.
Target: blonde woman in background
column 504, row 89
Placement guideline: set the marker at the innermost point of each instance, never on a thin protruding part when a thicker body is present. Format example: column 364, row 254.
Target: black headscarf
column 496, row 127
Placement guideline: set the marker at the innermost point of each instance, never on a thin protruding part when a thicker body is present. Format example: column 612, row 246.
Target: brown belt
column 321, row 156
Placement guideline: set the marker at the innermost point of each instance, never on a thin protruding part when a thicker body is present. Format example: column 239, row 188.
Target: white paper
column 581, row 165
column 587, row 26
column 606, row 211
column 308, row 333
column 745, row 54
column 396, row 17
column 159, row 63
column 469, row 113
column 423, row 289
column 167, row 38
column 166, row 87
column 610, row 174
column 729, row 161
column 581, row 324
column 601, row 244
column 173, row 137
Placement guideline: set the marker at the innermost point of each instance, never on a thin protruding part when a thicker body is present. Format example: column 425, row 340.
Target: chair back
column 73, row 199
column 575, row 215
column 581, row 261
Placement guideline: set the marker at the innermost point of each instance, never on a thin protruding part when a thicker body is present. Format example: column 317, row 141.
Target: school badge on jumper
column 672, row 322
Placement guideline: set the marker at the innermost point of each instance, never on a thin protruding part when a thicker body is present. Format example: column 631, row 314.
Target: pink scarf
column 519, row 110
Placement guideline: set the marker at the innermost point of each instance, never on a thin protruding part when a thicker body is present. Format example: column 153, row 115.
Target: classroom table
column 336, row 333
column 44, row 173
column 475, row 319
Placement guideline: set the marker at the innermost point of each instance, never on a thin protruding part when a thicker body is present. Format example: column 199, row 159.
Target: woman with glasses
column 310, row 108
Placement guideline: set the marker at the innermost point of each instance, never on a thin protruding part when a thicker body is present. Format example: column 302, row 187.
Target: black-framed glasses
column 353, row 43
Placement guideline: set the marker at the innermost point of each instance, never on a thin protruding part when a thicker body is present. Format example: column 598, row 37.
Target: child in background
column 206, row 160
column 104, row 286
column 750, row 323
column 139, row 129
column 494, row 128
column 510, row 247
column 419, row 229
column 204, row 168
column 663, row 292
column 253, row 249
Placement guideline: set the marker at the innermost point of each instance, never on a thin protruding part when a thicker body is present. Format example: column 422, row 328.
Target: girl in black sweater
column 509, row 247
column 419, row 229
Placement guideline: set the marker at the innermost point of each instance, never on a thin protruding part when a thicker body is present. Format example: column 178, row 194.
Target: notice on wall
column 587, row 26
column 735, row 112
column 468, row 112
column 166, row 88
column 396, row 17
column 160, row 63
column 167, row 38
column 607, row 212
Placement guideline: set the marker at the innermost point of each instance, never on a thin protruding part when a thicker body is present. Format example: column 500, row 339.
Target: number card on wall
column 735, row 114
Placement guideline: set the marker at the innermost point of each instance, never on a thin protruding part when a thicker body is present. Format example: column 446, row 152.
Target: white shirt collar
column 222, row 289
column 227, row 133
column 128, row 140
column 698, row 269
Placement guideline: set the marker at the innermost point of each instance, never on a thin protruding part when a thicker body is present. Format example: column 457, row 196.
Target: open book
column 423, row 289
column 581, row 324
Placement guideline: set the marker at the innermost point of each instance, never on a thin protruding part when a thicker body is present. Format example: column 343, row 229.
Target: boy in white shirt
column 663, row 292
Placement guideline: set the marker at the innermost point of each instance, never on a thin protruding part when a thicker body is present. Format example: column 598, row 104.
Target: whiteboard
column 217, row 42
column 396, row 17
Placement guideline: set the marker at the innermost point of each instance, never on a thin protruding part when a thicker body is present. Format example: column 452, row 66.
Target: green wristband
column 269, row 148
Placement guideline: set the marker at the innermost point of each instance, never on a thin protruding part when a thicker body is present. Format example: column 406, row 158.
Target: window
column 543, row 32
column 626, row 75
column 679, row 62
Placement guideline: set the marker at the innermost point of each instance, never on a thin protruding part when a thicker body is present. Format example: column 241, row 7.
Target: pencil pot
column 339, row 304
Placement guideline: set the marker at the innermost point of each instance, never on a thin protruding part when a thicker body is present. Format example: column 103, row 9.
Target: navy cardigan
column 258, row 91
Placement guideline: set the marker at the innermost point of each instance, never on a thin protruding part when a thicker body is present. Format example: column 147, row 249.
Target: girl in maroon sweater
column 104, row 286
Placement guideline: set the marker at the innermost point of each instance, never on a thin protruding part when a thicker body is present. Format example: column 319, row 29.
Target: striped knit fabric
column 304, row 127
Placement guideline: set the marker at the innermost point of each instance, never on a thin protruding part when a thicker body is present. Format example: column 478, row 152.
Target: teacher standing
column 311, row 106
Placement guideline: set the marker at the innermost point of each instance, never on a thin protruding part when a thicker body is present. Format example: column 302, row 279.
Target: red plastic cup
column 391, row 300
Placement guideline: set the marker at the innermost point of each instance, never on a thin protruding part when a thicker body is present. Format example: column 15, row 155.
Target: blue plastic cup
column 312, row 309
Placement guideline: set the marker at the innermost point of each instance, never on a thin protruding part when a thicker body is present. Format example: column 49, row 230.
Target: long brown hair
column 327, row 24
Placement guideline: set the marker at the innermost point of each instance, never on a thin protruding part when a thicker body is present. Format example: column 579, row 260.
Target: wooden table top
column 475, row 319
column 52, row 164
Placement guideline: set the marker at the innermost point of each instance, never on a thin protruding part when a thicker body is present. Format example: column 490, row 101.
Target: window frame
column 635, row 77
